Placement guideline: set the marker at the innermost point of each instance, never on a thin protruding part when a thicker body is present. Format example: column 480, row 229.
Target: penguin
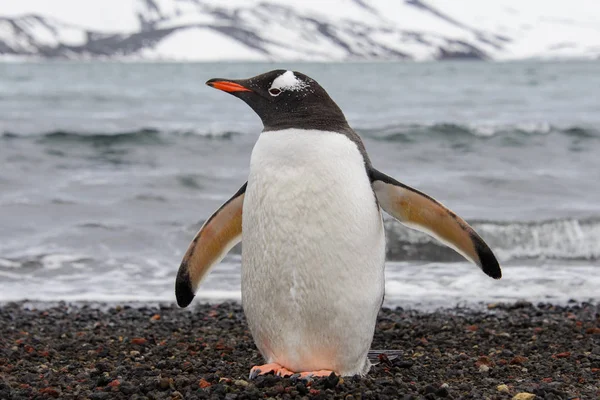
column 310, row 221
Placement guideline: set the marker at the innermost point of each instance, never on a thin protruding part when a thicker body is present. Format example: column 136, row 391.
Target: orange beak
column 227, row 86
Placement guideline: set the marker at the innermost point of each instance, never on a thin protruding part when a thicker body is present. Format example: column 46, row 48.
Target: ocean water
column 107, row 170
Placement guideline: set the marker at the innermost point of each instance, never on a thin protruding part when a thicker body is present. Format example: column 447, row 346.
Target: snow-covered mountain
column 210, row 30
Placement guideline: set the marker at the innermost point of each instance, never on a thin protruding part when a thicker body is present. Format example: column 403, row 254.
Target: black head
column 286, row 99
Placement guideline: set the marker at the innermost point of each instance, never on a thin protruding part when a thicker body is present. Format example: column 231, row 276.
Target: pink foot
column 267, row 368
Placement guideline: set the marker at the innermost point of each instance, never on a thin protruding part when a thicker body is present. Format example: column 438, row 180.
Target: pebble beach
column 148, row 351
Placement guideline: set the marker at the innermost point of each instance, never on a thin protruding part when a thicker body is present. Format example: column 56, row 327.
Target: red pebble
column 472, row 328
column 484, row 360
column 114, row 383
column 593, row 331
column 518, row 360
column 314, row 392
column 204, row 383
column 566, row 354
column 49, row 392
column 155, row 317
column 138, row 341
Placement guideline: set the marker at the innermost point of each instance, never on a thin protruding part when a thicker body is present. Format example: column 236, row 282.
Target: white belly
column 313, row 252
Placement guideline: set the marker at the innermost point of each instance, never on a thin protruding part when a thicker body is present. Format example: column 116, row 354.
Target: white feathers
column 287, row 81
column 313, row 253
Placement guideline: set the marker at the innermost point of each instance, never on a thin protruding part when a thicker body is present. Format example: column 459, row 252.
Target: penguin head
column 286, row 99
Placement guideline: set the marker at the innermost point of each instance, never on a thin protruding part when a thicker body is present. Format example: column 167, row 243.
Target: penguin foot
column 268, row 368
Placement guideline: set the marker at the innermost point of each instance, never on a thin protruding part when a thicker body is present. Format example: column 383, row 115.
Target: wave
column 413, row 132
column 142, row 135
column 399, row 132
column 560, row 239
column 564, row 239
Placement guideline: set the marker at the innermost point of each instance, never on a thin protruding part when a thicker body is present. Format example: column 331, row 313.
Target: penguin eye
column 274, row 92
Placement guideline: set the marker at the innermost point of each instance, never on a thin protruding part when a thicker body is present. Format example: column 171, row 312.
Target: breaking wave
column 413, row 132
column 560, row 239
column 402, row 133
column 143, row 135
column 564, row 239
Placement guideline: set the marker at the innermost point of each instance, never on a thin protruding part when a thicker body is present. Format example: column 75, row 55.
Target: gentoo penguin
column 309, row 218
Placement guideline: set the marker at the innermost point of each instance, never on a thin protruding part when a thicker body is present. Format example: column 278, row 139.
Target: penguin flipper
column 218, row 235
column 423, row 213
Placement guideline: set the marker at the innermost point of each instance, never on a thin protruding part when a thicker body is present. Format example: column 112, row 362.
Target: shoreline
column 109, row 351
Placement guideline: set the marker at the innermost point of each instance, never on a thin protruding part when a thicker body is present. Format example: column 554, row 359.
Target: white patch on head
column 286, row 81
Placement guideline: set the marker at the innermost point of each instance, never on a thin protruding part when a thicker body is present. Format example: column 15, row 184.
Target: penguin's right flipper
column 218, row 235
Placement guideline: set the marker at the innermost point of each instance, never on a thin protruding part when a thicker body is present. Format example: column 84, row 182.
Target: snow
column 185, row 20
column 534, row 27
column 99, row 15
column 312, row 30
column 7, row 31
column 52, row 33
column 200, row 44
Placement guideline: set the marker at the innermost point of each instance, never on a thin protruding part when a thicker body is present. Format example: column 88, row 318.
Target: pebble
column 442, row 392
column 518, row 360
column 524, row 396
column 164, row 383
column 502, row 388
column 176, row 395
column 207, row 354
column 429, row 389
column 204, row 383
column 99, row 396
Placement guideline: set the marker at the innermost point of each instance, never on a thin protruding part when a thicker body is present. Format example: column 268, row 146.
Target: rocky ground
column 93, row 351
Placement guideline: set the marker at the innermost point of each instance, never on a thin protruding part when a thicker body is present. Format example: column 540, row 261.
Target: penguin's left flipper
column 375, row 356
column 423, row 213
column 218, row 235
